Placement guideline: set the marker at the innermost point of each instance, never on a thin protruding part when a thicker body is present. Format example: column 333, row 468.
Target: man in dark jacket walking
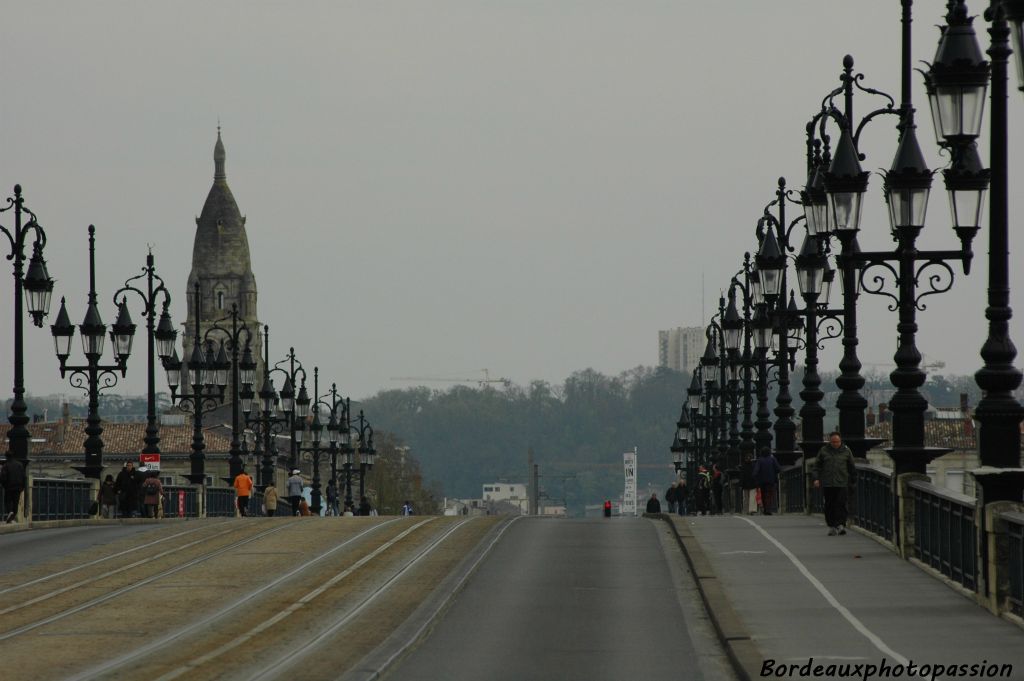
column 766, row 475
column 12, row 479
column 670, row 497
column 834, row 472
column 126, row 485
column 653, row 505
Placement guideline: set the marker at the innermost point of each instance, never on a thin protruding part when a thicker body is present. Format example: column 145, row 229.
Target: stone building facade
column 222, row 268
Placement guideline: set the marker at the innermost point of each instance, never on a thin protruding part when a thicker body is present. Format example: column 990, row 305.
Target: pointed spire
column 218, row 158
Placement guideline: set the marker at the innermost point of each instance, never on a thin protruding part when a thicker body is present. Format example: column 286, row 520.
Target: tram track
column 321, row 594
column 134, row 585
column 97, row 561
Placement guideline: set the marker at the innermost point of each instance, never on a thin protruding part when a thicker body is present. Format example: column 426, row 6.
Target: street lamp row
column 832, row 202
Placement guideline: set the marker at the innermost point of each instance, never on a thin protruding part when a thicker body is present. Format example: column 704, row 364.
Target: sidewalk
column 799, row 594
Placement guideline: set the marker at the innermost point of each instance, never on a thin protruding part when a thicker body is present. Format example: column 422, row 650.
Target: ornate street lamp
column 88, row 376
column 312, row 436
column 262, row 417
column 159, row 336
column 243, row 374
column 38, row 287
column 203, row 393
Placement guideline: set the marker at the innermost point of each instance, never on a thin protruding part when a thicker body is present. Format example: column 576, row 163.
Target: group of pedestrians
column 134, row 493
column 294, row 486
column 832, row 471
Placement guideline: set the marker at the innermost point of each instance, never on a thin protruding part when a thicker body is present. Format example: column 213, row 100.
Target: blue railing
column 792, row 486
column 220, row 502
column 54, row 499
column 181, row 502
column 944, row 532
column 1015, row 537
column 872, row 508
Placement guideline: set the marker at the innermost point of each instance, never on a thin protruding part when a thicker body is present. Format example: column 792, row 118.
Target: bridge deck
column 800, row 594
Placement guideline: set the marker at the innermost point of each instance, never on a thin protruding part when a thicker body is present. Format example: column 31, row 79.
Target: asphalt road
column 24, row 549
column 588, row 599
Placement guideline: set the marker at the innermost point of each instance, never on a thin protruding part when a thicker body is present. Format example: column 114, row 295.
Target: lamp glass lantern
column 770, row 265
column 287, row 397
column 38, row 286
column 63, row 331
column 845, row 185
column 957, row 79
column 165, row 336
column 123, row 332
column 810, row 267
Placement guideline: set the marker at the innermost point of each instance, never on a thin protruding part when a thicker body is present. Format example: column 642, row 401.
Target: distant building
column 222, row 268
column 680, row 348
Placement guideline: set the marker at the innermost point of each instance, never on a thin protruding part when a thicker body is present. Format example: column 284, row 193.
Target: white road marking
column 832, row 600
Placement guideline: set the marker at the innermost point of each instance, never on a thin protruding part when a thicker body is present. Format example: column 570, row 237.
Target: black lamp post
column 312, row 435
column 339, row 438
column 738, row 336
column 88, row 376
column 773, row 234
column 262, row 416
column 38, row 288
column 907, row 186
column 207, row 374
column 243, row 374
column 366, row 450
column 160, row 337
column 296, row 408
column 958, row 77
column 814, row 279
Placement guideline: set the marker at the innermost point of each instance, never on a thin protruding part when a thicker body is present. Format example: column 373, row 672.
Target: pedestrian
column 270, row 500
column 407, row 508
column 653, row 505
column 681, row 500
column 304, row 507
column 671, row 499
column 364, row 506
column 750, row 491
column 332, row 498
column 152, row 491
column 703, row 491
column 350, row 509
column 717, row 484
column 127, row 487
column 294, row 489
column 766, row 475
column 107, row 498
column 12, row 479
column 243, row 487
column 833, row 471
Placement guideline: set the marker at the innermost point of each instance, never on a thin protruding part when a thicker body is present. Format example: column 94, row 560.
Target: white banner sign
column 629, row 495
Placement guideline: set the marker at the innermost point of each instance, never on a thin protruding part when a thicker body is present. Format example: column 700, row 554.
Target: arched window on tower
column 220, row 300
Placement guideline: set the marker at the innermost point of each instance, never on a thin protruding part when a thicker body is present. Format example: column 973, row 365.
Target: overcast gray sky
column 433, row 188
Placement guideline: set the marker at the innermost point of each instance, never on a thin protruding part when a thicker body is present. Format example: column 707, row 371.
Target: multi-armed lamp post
column 243, row 374
column 38, row 288
column 92, row 376
column 161, row 335
column 207, row 374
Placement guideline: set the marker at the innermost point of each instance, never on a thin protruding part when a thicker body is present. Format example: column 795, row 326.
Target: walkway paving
column 784, row 591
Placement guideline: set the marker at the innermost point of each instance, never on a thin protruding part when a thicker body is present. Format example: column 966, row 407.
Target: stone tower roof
column 221, row 246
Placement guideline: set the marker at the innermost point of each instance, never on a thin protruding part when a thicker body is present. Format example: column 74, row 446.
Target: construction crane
column 447, row 379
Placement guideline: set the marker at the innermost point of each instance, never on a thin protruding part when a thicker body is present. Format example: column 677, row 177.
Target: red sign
column 151, row 461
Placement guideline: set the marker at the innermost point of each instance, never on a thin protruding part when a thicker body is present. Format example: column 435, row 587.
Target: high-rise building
column 221, row 266
column 681, row 348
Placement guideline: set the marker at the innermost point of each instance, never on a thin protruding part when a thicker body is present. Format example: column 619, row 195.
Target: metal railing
column 55, row 499
column 220, row 502
column 792, row 486
column 181, row 502
column 945, row 536
column 872, row 508
column 1015, row 546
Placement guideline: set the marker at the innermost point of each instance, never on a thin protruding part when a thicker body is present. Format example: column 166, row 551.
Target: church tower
column 221, row 266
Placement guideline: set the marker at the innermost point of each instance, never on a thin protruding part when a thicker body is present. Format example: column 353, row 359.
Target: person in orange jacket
column 243, row 486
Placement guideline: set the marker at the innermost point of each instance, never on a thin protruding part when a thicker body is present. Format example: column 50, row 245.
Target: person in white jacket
column 294, row 489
